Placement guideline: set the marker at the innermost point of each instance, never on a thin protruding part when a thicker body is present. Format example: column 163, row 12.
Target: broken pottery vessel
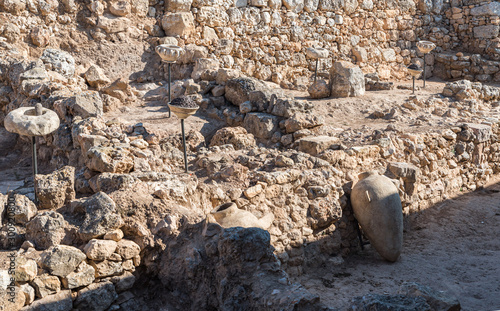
column 377, row 207
column 31, row 121
column 228, row 215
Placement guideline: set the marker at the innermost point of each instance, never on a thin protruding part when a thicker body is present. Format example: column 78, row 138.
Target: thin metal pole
column 184, row 144
column 34, row 164
column 169, row 87
column 316, row 71
column 413, row 85
column 424, row 71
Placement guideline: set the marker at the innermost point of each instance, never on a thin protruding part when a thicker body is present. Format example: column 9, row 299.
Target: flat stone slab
column 317, row 144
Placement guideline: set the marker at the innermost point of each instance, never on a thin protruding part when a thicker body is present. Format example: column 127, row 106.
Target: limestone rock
column 96, row 297
column 212, row 16
column 115, row 235
column 314, row 145
column 46, row 229
column 46, row 285
column 261, row 125
column 237, row 136
column 323, row 213
column 123, row 282
column 3, row 206
column 24, row 209
column 85, row 104
column 294, row 5
column 487, row 9
column 107, row 159
column 437, row 300
column 178, row 24
column 83, row 275
column 238, row 90
column 61, row 260
column 61, row 301
column 386, row 302
column 486, row 32
column 319, row 89
column 26, row 269
column 59, row 61
column 113, row 24
column 99, row 249
column 202, row 65
column 56, row 189
column 29, row 293
column 178, row 5
column 40, row 36
column 101, row 216
column 301, row 121
column 120, row 8
column 95, row 75
column 14, row 7
column 225, row 74
column 107, row 268
column 128, row 249
column 346, row 80
column 377, row 207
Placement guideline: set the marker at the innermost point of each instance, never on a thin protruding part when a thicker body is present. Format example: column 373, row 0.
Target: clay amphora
column 229, row 215
column 377, row 207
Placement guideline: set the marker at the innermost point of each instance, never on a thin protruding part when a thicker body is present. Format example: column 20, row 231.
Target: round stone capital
column 317, row 53
column 25, row 121
column 425, row 46
column 169, row 53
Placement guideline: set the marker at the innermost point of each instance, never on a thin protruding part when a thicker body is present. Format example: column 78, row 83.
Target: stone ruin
column 114, row 210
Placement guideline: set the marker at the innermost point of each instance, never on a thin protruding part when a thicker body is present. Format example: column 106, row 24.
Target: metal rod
column 169, row 87
column 184, row 145
column 316, row 71
column 34, row 164
column 424, row 71
column 413, row 85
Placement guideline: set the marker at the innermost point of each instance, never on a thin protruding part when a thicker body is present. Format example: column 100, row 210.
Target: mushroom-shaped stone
column 414, row 70
column 317, row 53
column 425, row 46
column 32, row 121
column 169, row 53
column 229, row 215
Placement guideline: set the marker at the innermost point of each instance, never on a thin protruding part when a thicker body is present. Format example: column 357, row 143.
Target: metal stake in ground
column 184, row 145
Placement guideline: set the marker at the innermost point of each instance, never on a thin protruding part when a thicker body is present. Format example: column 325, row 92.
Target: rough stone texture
column 101, row 216
column 246, row 256
column 46, row 229
column 46, row 285
column 319, row 89
column 120, row 8
column 178, row 24
column 314, row 145
column 24, row 209
column 385, row 302
column 346, row 80
column 83, row 275
column 107, row 268
column 26, row 269
column 486, row 32
column 107, row 159
column 237, row 136
column 61, row 260
column 96, row 297
column 302, row 121
column 437, row 300
column 23, row 121
column 95, row 75
column 128, row 249
column 99, row 249
column 238, row 90
column 59, row 302
column 59, row 61
column 178, row 5
column 113, row 24
column 55, row 189
column 86, row 104
column 261, row 125
column 40, row 36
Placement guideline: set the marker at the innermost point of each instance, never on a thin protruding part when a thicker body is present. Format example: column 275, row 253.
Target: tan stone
column 99, row 249
column 128, row 249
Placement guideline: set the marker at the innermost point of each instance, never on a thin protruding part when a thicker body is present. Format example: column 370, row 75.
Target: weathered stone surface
column 107, row 159
column 301, row 121
column 101, row 216
column 82, row 276
column 61, row 301
column 46, row 285
column 486, row 32
column 115, row 235
column 488, row 9
column 346, row 80
column 237, row 136
column 113, row 24
column 96, row 297
column 40, row 36
column 120, row 8
column 238, row 90
column 322, row 212
column 61, row 260
column 178, row 24
column 178, row 5
column 29, row 293
column 107, row 267
column 86, row 104
column 26, row 269
column 12, row 298
column 59, row 61
column 319, row 89
column 128, row 249
column 56, row 189
column 261, row 125
column 46, row 229
column 314, row 145
column 385, row 302
column 202, row 65
column 123, row 282
column 437, row 300
column 24, row 209
column 224, row 75
column 294, row 5
column 24, row 121
column 95, row 75
column 99, row 249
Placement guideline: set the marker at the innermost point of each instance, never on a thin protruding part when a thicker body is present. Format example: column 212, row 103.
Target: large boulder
column 314, row 145
column 83, row 275
column 319, row 89
column 61, row 260
column 46, row 229
column 59, row 302
column 59, row 61
column 100, row 249
column 238, row 90
column 46, row 285
column 95, row 76
column 101, row 216
column 85, row 104
column 96, row 297
column 346, row 80
column 56, row 189
column 108, row 159
column 178, row 5
column 23, row 209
